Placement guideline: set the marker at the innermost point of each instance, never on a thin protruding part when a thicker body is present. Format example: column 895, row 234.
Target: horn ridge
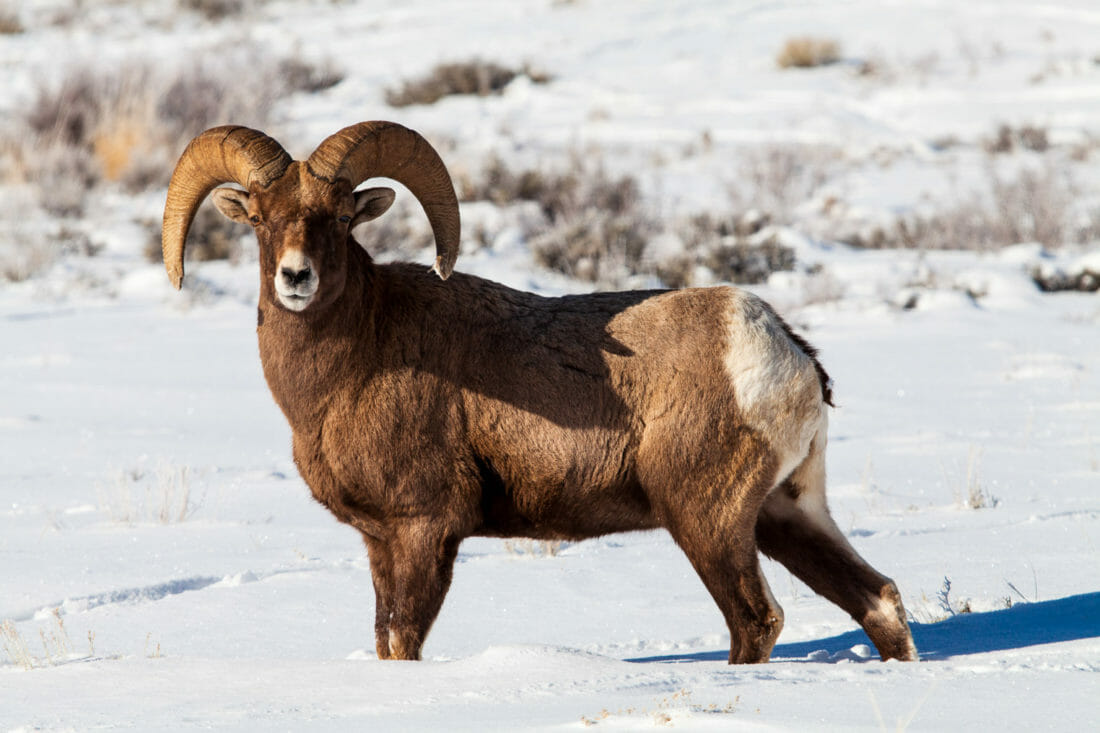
column 225, row 154
column 390, row 150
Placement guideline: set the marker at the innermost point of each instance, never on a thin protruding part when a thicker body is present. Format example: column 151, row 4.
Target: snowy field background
column 162, row 566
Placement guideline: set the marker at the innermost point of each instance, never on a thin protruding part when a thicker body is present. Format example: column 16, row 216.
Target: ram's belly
column 560, row 483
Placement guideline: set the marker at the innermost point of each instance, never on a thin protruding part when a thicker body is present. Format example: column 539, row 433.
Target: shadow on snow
column 1023, row 625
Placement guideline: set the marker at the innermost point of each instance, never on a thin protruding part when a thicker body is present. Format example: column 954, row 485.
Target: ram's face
column 302, row 225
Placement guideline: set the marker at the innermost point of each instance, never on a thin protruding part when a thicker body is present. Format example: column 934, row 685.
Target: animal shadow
column 1025, row 624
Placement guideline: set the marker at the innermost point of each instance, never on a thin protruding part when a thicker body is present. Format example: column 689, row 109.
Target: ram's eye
column 255, row 218
column 344, row 219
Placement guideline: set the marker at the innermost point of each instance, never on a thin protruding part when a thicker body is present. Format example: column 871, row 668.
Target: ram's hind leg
column 714, row 525
column 795, row 528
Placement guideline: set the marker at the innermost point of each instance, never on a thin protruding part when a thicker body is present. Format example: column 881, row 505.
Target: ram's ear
column 371, row 203
column 233, row 203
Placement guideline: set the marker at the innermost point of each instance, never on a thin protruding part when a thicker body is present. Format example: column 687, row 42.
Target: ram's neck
column 305, row 356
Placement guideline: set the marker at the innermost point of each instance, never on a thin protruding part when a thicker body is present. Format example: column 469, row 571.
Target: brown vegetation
column 596, row 227
column 10, row 23
column 1055, row 280
column 1035, row 205
column 128, row 124
column 804, row 52
column 214, row 10
column 213, row 237
column 1008, row 139
column 474, row 77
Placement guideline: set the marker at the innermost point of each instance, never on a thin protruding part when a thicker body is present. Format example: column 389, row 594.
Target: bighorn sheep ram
column 424, row 412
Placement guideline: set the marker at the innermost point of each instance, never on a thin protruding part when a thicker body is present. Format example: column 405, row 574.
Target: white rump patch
column 774, row 381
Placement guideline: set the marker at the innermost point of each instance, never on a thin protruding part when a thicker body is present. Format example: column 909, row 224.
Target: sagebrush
column 128, row 124
column 476, row 77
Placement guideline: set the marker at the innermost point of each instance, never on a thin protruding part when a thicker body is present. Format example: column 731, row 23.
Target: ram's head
column 302, row 211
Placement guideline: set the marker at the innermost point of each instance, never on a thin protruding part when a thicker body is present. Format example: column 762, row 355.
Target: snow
column 166, row 568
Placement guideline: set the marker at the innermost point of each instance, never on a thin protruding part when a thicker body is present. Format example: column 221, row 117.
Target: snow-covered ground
column 162, row 566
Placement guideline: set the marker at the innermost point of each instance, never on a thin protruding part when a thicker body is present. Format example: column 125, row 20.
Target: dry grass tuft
column 161, row 496
column 15, row 646
column 214, row 10
column 10, row 24
column 1008, row 139
column 663, row 710
column 804, row 52
column 57, row 647
column 114, row 148
column 474, row 77
column 525, row 547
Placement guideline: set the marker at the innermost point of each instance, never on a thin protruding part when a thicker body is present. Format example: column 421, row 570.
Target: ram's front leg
column 422, row 554
column 381, row 569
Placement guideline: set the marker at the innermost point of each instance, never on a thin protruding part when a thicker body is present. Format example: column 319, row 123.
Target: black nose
column 295, row 278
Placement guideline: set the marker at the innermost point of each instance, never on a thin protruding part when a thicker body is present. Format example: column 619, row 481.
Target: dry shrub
column 63, row 175
column 503, row 185
column 745, row 262
column 116, row 126
column 10, row 24
column 299, row 75
column 703, row 230
column 1035, row 205
column 211, row 237
column 804, row 52
column 129, row 124
column 214, row 10
column 775, row 179
column 476, row 77
column 1025, row 137
column 595, row 246
column 403, row 233
column 727, row 246
column 593, row 226
column 1052, row 280
column 24, row 257
column 27, row 250
column 677, row 271
column 965, row 226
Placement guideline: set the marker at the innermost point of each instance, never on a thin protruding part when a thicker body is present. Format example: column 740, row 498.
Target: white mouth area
column 296, row 280
column 294, row 302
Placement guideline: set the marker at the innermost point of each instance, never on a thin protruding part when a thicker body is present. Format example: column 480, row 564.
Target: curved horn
column 388, row 150
column 219, row 155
